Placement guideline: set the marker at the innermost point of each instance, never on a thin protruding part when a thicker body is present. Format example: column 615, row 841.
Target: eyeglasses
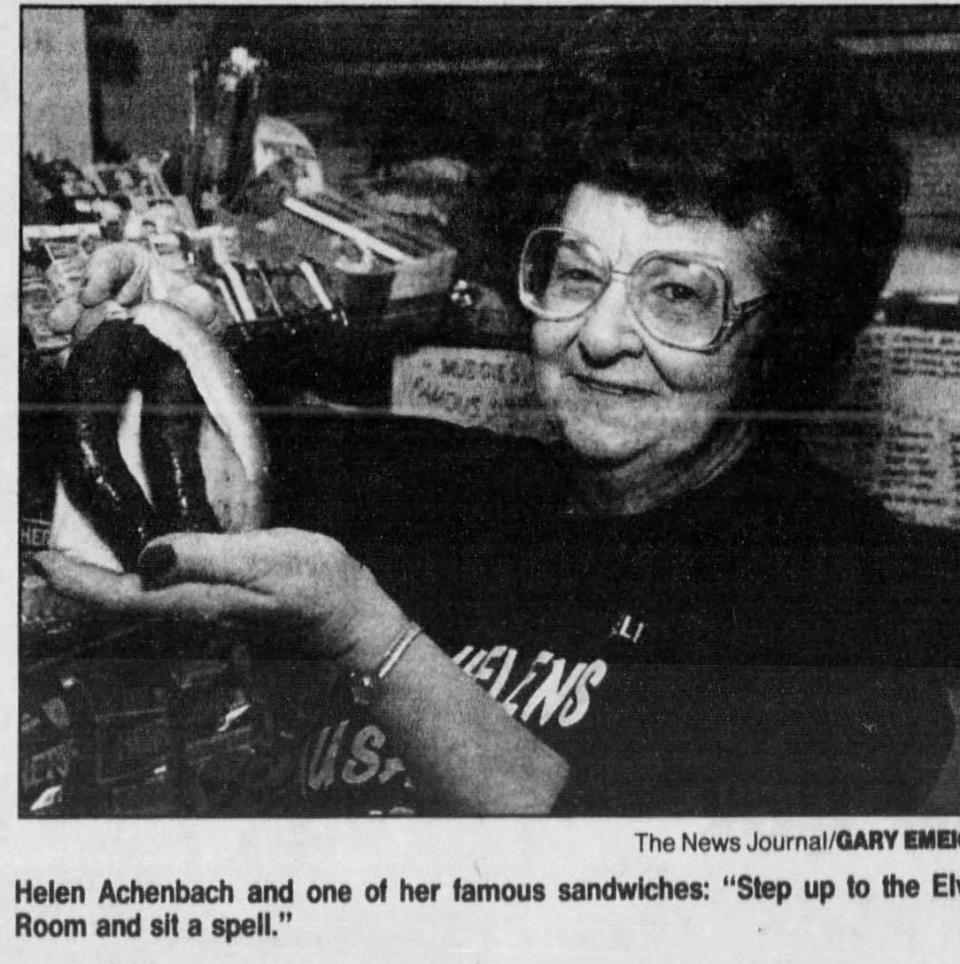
column 677, row 300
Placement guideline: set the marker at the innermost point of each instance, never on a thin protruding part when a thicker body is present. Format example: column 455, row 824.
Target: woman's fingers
column 125, row 594
column 116, row 271
column 79, row 580
column 239, row 558
column 203, row 601
column 301, row 580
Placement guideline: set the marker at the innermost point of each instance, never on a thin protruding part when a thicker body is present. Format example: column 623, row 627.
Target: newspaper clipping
column 487, row 483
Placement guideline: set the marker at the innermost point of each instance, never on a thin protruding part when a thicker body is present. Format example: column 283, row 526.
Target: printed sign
column 489, row 387
column 898, row 431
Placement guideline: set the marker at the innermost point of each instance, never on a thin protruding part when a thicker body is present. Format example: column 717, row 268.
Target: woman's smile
column 589, row 384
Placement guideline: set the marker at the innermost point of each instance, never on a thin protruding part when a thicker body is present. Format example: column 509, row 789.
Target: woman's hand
column 298, row 580
column 464, row 752
column 120, row 276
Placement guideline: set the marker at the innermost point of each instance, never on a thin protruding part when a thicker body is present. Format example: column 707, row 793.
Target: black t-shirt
column 768, row 643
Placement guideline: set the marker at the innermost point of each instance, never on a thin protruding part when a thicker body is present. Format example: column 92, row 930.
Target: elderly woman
column 674, row 610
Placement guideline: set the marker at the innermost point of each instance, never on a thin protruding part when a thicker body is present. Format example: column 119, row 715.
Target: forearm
column 465, row 753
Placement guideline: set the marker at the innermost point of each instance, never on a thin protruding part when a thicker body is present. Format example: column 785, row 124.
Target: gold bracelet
column 363, row 685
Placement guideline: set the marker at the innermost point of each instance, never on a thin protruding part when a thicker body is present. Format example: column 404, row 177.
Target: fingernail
column 156, row 561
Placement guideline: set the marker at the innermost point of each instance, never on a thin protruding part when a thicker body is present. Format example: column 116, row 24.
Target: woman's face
column 618, row 395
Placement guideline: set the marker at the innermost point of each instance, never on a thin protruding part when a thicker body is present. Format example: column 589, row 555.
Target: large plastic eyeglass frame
column 735, row 314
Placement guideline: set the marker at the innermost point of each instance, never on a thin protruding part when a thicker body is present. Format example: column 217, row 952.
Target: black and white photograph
column 487, row 482
column 485, row 411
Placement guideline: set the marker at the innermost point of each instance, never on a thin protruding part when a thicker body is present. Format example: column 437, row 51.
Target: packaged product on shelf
column 384, row 272
column 48, row 742
column 254, row 290
column 62, row 255
column 225, row 100
column 293, row 291
column 276, row 140
column 139, row 180
column 62, row 176
column 32, row 236
column 36, row 303
column 303, row 291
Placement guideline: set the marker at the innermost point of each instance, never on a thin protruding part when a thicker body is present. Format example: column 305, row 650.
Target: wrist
column 361, row 623
column 370, row 636
column 366, row 686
